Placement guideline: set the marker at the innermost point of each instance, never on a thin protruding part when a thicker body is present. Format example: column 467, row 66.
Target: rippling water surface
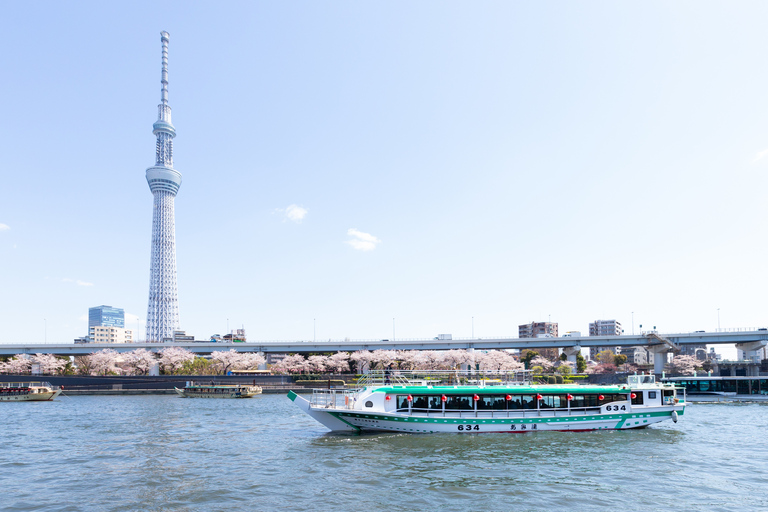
column 165, row 453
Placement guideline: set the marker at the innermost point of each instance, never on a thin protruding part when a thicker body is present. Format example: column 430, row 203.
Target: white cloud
column 78, row 282
column 760, row 156
column 362, row 241
column 4, row 227
column 83, row 318
column 294, row 213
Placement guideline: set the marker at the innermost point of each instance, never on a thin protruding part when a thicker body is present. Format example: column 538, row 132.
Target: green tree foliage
column 197, row 366
column 526, row 357
column 605, row 357
column 619, row 359
column 581, row 363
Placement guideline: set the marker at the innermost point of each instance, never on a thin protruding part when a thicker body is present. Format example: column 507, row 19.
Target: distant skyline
column 439, row 166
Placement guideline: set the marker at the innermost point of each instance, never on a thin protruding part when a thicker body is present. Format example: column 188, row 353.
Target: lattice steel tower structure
column 164, row 182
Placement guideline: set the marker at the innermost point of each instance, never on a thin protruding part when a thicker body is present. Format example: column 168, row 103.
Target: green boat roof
column 502, row 390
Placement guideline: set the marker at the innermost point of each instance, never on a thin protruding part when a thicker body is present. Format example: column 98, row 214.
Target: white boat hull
column 347, row 420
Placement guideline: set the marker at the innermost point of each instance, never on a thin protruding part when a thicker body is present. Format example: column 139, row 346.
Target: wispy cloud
column 4, row 227
column 362, row 241
column 760, row 156
column 78, row 282
column 294, row 213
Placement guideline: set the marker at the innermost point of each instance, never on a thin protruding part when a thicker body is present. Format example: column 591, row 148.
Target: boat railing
column 25, row 385
column 443, row 377
column 333, row 398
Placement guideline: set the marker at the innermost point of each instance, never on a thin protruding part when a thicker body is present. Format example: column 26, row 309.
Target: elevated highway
column 750, row 341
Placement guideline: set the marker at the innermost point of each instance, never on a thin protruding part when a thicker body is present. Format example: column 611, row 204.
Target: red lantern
column 601, row 397
column 633, row 396
column 410, row 398
column 509, row 398
column 570, row 397
column 539, row 397
column 476, row 398
column 444, row 398
column 387, row 398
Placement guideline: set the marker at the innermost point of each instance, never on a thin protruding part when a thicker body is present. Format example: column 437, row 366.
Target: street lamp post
column 633, row 323
column 473, row 327
column 718, row 319
column 393, row 330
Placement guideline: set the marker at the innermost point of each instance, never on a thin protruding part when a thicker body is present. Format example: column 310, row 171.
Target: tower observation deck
column 164, row 182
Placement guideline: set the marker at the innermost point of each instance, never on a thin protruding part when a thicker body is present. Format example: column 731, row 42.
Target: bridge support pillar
column 751, row 349
column 659, row 357
column 263, row 366
column 572, row 352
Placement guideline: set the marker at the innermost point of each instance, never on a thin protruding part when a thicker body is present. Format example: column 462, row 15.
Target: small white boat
column 28, row 391
column 213, row 390
column 478, row 405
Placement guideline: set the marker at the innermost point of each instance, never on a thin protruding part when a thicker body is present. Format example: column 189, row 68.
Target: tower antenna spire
column 165, row 38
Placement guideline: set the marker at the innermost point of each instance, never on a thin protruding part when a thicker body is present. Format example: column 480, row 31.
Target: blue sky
column 507, row 161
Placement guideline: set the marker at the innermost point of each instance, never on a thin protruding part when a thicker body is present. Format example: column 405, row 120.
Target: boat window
column 459, row 402
column 638, row 400
column 651, row 395
column 553, row 401
column 369, row 404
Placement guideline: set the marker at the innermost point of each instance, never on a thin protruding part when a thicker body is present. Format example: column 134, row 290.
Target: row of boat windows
column 501, row 402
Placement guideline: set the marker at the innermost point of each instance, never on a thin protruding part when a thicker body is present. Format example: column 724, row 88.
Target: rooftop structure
column 105, row 316
column 164, row 182
column 537, row 330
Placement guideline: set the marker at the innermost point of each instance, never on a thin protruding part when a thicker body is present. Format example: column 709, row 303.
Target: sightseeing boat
column 471, row 404
column 27, row 391
column 218, row 390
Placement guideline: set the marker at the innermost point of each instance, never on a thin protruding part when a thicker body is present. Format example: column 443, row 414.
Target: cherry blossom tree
column 384, row 358
column 139, row 361
column 49, row 363
column 431, row 359
column 685, row 365
column 172, row 359
column 18, row 364
column 294, row 363
column 409, row 359
column 362, row 359
column 545, row 363
column 226, row 360
column 338, row 362
column 454, row 357
column 317, row 363
column 104, row 361
column 500, row 360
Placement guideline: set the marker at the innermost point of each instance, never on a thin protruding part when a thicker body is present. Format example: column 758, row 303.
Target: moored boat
column 28, row 391
column 401, row 403
column 214, row 390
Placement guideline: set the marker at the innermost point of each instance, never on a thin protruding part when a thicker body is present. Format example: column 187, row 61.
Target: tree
column 685, row 365
column 317, row 364
column 172, row 359
column 619, row 359
column 49, row 363
column 454, row 358
column 139, row 361
column 197, row 366
column 363, row 359
column 294, row 363
column 565, row 368
column 499, row 361
column 543, row 362
column 225, row 360
column 103, row 361
column 526, row 357
column 605, row 357
column 384, row 358
column 581, row 363
column 18, row 364
column 338, row 362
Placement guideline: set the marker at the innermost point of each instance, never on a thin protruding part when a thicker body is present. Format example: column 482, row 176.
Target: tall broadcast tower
column 164, row 182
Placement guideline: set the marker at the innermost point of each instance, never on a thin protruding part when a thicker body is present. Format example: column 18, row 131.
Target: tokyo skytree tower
column 164, row 182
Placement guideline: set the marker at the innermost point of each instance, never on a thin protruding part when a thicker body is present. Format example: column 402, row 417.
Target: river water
column 165, row 453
